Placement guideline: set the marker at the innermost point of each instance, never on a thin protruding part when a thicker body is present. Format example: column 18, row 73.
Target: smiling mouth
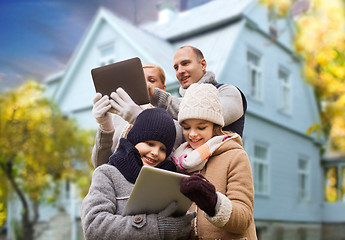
column 185, row 79
column 195, row 141
column 150, row 160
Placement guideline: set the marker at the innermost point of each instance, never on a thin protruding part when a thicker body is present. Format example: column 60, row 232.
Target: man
column 112, row 127
column 190, row 67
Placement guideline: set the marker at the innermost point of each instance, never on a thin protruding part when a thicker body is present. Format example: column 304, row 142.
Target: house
column 243, row 47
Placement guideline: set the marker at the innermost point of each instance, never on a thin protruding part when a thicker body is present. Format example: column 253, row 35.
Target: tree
column 320, row 41
column 38, row 147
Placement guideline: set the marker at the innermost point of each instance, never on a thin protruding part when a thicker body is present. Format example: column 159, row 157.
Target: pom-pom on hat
column 201, row 101
column 153, row 124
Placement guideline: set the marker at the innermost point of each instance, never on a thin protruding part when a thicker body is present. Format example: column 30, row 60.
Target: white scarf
column 191, row 160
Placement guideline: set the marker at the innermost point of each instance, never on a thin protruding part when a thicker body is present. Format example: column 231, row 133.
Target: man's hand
column 101, row 106
column 124, row 106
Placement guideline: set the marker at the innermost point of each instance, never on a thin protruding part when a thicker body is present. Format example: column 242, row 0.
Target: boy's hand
column 174, row 227
column 199, row 190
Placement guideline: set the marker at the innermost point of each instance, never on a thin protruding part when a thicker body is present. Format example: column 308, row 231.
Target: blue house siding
column 225, row 40
column 285, row 147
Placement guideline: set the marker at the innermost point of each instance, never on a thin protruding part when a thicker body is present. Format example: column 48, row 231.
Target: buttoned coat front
column 102, row 207
column 229, row 170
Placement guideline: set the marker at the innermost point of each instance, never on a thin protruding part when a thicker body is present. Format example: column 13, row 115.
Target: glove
column 101, row 106
column 199, row 190
column 174, row 227
column 123, row 105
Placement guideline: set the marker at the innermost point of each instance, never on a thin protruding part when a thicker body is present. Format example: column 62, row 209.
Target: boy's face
column 151, row 152
column 197, row 131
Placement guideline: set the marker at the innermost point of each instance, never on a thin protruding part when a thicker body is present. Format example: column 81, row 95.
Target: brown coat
column 230, row 171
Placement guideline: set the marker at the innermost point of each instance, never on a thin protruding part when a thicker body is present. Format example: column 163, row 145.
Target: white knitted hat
column 201, row 101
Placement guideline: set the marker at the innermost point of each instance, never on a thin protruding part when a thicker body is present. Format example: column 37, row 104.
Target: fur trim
column 223, row 211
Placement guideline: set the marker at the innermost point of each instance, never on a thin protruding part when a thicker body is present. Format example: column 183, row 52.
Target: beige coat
column 230, row 171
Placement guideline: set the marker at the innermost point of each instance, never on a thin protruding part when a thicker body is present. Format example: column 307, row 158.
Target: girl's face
column 197, row 132
column 151, row 152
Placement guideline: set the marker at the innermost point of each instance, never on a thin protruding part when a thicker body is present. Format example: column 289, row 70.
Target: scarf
column 191, row 160
column 209, row 77
column 128, row 161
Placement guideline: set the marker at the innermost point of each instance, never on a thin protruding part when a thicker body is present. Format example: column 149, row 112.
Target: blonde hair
column 158, row 68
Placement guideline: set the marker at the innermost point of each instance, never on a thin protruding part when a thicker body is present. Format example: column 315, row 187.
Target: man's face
column 187, row 67
column 152, row 76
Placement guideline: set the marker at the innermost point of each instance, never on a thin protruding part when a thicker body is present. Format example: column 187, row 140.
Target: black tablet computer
column 127, row 74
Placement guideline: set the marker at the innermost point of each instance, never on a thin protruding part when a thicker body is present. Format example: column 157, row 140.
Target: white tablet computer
column 127, row 74
column 154, row 190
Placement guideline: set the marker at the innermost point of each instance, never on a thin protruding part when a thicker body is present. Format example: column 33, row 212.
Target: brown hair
column 217, row 130
column 158, row 68
column 197, row 52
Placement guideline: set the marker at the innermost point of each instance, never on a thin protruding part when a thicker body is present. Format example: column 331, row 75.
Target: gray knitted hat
column 201, row 101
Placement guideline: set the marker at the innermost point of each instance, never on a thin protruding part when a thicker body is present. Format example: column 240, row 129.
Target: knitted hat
column 201, row 101
column 153, row 124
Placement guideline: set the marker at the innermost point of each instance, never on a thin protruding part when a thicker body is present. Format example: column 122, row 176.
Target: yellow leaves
column 3, row 213
column 3, row 209
column 279, row 7
column 331, row 183
column 321, row 41
column 339, row 71
column 40, row 144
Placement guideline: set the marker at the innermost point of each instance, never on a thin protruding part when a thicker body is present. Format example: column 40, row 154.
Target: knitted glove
column 199, row 190
column 100, row 112
column 174, row 227
column 124, row 106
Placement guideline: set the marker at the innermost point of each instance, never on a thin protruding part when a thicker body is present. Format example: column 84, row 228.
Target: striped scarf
column 191, row 160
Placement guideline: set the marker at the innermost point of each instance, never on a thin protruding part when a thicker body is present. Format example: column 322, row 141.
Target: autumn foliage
column 39, row 146
column 320, row 40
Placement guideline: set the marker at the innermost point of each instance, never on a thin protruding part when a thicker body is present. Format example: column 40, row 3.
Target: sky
column 38, row 37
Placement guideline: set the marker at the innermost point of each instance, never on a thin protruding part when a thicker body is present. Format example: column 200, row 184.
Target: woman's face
column 197, row 132
column 152, row 152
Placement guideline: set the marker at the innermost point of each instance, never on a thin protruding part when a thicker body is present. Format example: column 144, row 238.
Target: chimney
column 166, row 11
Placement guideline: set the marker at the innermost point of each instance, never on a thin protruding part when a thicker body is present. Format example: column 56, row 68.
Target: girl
column 149, row 142
column 221, row 183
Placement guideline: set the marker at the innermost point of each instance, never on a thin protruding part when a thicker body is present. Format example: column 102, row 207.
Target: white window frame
column 254, row 75
column 285, row 93
column 303, row 173
column 261, row 178
column 105, row 58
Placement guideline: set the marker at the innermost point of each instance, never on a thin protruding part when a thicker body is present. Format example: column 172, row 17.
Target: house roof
column 148, row 45
column 201, row 18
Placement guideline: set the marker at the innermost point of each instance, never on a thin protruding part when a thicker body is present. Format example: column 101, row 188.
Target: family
column 199, row 134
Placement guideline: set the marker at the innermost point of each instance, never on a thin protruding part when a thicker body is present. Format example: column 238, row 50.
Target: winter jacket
column 102, row 207
column 229, row 170
column 231, row 100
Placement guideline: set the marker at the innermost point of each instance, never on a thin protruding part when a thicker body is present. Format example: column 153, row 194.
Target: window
column 254, row 75
column 260, row 168
column 302, row 234
column 285, row 91
column 331, row 184
column 303, row 179
column 106, row 54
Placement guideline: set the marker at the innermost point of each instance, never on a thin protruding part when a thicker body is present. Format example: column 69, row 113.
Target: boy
column 149, row 142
